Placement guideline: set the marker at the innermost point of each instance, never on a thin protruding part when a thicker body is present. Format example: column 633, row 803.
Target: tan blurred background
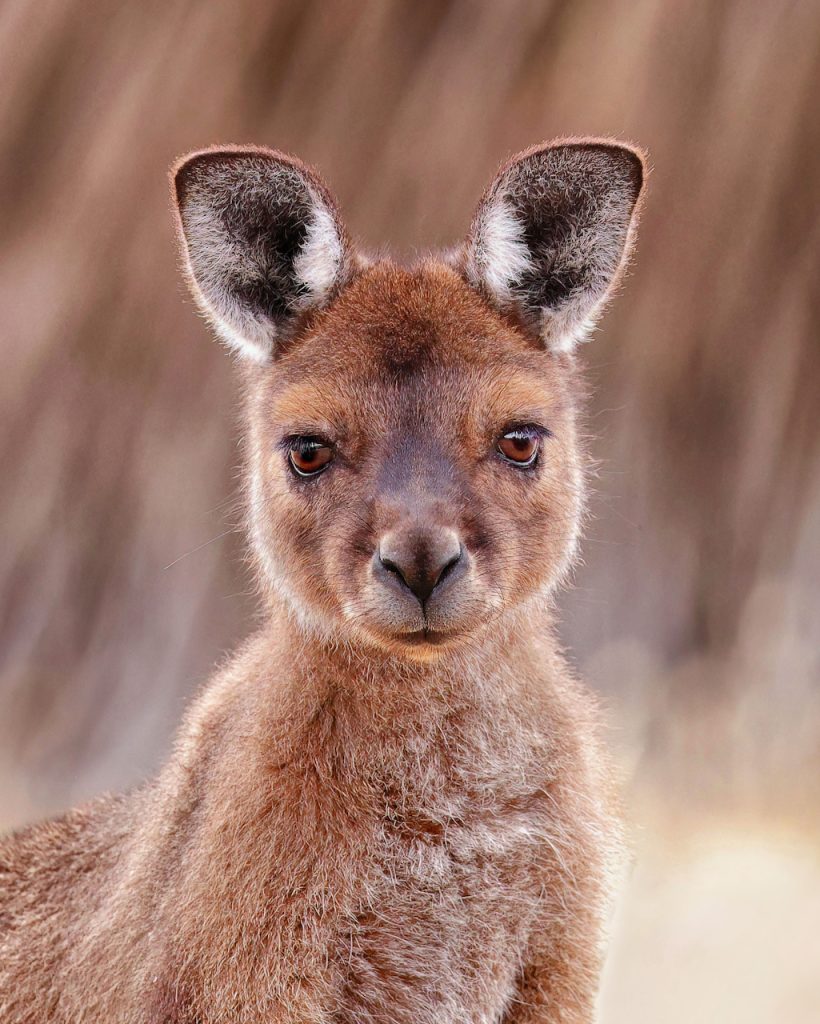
column 697, row 611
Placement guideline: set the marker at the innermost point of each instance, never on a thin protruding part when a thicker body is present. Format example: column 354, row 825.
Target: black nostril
column 420, row 569
column 392, row 567
column 448, row 567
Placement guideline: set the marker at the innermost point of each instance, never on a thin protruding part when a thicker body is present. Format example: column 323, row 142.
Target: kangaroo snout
column 419, row 559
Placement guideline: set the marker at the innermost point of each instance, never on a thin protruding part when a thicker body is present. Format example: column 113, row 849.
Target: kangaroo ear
column 262, row 241
column 552, row 233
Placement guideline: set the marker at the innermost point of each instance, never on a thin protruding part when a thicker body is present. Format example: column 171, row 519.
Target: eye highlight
column 309, row 456
column 520, row 446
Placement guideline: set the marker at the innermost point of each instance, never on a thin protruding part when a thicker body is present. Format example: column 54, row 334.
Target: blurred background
column 696, row 613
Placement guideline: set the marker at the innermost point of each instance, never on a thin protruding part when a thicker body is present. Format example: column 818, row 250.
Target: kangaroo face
column 414, row 466
column 414, row 461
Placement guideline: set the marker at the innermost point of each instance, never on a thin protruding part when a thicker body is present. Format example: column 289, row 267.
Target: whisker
column 199, row 547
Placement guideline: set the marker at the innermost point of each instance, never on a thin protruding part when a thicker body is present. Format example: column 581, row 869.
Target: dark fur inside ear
column 263, row 243
column 552, row 233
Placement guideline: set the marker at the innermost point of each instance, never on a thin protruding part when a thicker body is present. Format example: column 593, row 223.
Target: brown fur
column 378, row 810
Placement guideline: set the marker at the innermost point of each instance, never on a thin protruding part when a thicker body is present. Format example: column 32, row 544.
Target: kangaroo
column 390, row 805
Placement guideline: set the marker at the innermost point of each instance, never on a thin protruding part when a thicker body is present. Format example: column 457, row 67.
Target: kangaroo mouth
column 426, row 636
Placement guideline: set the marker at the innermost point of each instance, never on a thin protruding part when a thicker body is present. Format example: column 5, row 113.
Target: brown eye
column 520, row 446
column 309, row 456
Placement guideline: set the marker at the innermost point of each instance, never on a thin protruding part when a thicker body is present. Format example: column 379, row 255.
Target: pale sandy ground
column 717, row 925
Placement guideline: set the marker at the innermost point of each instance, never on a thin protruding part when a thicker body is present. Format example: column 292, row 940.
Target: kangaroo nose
column 421, row 560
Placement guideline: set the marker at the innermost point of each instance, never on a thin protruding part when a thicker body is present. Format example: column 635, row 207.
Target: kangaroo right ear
column 553, row 232
column 262, row 241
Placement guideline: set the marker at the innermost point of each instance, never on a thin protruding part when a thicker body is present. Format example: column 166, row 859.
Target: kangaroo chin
column 390, row 805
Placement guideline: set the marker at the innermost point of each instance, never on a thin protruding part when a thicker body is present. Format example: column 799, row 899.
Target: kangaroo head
column 414, row 466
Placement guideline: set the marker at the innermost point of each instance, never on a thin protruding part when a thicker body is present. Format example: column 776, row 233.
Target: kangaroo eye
column 520, row 446
column 308, row 456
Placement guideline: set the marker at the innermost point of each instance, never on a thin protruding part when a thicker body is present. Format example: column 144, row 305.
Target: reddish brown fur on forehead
column 393, row 322
column 415, row 342
column 413, row 356
column 402, row 316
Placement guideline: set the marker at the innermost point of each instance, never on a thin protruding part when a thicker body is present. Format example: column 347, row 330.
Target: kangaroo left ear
column 263, row 244
column 552, row 234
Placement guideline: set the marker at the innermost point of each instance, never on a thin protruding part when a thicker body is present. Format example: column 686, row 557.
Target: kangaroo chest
column 441, row 889
column 403, row 889
column 444, row 915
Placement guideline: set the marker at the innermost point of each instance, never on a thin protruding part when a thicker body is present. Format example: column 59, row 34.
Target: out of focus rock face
column 121, row 580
